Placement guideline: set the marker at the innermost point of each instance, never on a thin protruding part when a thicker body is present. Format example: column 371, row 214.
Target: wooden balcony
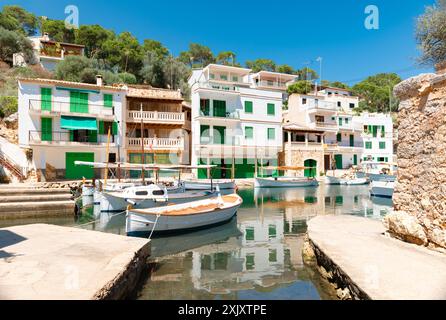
column 154, row 117
column 156, row 143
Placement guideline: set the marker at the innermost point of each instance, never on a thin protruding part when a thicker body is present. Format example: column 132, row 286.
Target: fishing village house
column 61, row 122
column 322, row 133
column 236, row 120
column 48, row 53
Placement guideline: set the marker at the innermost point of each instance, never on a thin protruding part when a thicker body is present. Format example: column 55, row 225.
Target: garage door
column 78, row 172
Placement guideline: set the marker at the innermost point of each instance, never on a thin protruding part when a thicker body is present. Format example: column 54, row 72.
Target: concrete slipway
column 374, row 266
column 51, row 262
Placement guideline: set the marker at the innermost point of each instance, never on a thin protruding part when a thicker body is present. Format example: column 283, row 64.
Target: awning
column 78, row 123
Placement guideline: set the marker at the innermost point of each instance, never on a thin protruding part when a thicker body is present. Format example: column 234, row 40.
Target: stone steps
column 36, row 198
column 13, row 210
column 11, row 191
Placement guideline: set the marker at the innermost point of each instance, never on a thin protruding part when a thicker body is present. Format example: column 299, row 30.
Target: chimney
column 99, row 80
column 46, row 36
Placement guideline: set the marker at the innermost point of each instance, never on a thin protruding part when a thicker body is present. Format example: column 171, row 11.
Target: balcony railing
column 38, row 106
column 325, row 125
column 156, row 143
column 271, row 84
column 322, row 105
column 219, row 86
column 56, row 137
column 155, row 116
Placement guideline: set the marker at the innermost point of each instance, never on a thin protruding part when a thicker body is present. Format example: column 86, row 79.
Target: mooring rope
column 97, row 220
column 154, row 225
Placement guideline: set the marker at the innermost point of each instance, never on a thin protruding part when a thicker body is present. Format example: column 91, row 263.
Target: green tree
column 431, row 33
column 197, row 56
column 152, row 71
column 15, row 18
column 227, row 58
column 284, row 68
column 376, row 93
column 57, row 31
column 300, row 87
column 307, row 74
column 13, row 42
column 261, row 64
column 123, row 52
column 72, row 69
column 8, row 106
column 176, row 75
column 127, row 78
column 156, row 47
column 93, row 37
column 335, row 84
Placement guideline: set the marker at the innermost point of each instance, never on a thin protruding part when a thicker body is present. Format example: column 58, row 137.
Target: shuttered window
column 271, row 133
column 78, row 102
column 339, row 137
column 382, row 145
column 47, row 129
column 248, row 107
column 271, row 109
column 368, row 145
column 45, row 95
column 219, row 108
column 108, row 100
column 249, row 132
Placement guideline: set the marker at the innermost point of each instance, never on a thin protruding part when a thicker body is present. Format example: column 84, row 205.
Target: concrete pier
column 357, row 255
column 51, row 262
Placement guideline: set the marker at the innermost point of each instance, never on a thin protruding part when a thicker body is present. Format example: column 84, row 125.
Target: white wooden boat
column 110, row 187
column 283, row 182
column 379, row 171
column 181, row 217
column 330, row 180
column 382, row 189
column 148, row 197
column 87, row 190
column 207, row 185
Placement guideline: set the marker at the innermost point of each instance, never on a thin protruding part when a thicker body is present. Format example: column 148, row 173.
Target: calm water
column 255, row 256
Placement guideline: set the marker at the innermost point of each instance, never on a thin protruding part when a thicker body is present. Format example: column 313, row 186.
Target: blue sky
column 294, row 32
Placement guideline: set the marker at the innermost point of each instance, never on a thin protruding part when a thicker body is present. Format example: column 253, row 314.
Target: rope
column 95, row 221
column 154, row 225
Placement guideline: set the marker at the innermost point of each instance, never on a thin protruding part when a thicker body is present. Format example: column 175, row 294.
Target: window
column 223, row 77
column 212, row 76
column 219, row 108
column 204, row 134
column 271, row 109
column 108, row 100
column 250, row 262
column 333, row 118
column 346, row 120
column 272, row 255
column 340, row 121
column 339, row 137
column 272, row 232
column 304, row 100
column 382, row 145
column 383, row 132
column 271, row 133
column 219, row 135
column 319, row 119
column 47, row 129
column 339, row 104
column 205, row 107
column 45, row 94
column 248, row 107
column 352, row 105
column 249, row 132
column 249, row 234
column 234, row 78
column 112, row 157
column 78, row 102
column 368, row 145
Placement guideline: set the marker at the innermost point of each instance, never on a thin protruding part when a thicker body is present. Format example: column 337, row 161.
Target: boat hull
column 197, row 185
column 144, row 223
column 381, row 177
column 272, row 183
column 87, row 190
column 382, row 189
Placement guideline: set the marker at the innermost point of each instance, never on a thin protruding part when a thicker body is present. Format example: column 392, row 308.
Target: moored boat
column 183, row 217
column 382, row 189
column 330, row 180
column 283, row 182
column 208, row 185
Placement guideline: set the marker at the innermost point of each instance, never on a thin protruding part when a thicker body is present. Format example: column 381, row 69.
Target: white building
column 236, row 120
column 62, row 122
column 322, row 132
column 49, row 53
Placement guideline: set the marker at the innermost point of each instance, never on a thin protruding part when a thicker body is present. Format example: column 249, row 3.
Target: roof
column 283, row 75
column 334, row 88
column 63, row 43
column 80, row 85
column 224, row 67
column 298, row 127
column 153, row 93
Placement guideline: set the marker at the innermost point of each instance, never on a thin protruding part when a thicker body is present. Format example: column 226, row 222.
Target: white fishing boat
column 354, row 181
column 208, row 185
column 183, row 217
column 382, row 189
column 284, row 182
column 379, row 171
column 87, row 190
column 110, row 187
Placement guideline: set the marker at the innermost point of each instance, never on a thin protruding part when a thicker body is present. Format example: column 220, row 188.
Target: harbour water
column 255, row 256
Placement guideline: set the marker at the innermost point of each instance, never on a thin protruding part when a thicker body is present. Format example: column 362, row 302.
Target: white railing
column 272, row 84
column 321, row 105
column 67, row 107
column 219, row 86
column 156, row 143
column 150, row 116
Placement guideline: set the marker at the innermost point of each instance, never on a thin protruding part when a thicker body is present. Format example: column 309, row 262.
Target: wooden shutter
column 47, row 129
column 46, row 94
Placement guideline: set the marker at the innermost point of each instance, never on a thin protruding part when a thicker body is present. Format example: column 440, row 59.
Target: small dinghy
column 383, row 189
column 183, row 217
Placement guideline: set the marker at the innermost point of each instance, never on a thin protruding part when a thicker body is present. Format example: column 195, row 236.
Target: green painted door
column 355, row 160
column 78, row 172
column 45, row 94
column 338, row 160
column 78, row 102
column 352, row 140
column 202, row 173
column 47, row 129
column 219, row 108
column 311, row 171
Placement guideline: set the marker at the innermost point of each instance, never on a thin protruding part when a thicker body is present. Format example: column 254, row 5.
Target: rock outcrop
column 420, row 191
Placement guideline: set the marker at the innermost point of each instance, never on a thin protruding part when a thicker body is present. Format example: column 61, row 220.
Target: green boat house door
column 311, row 171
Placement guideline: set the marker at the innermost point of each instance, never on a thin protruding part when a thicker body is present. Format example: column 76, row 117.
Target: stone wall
column 420, row 191
column 298, row 157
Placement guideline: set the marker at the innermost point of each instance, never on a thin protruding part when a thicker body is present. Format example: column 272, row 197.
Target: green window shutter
column 382, row 145
column 204, row 134
column 271, row 109
column 375, row 131
column 338, row 160
column 346, row 120
column 340, row 121
column 114, row 128
column 352, row 140
column 248, row 107
column 271, row 133
column 355, row 160
column 339, row 137
column 47, row 129
column 205, row 107
column 92, row 136
column 101, row 127
column 386, row 159
column 219, row 108
column 219, row 135
column 249, row 132
column 368, row 145
column 78, row 102
column 383, row 132
column 46, row 94
column 108, row 100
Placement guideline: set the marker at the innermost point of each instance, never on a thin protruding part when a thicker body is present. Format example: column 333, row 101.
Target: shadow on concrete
column 8, row 238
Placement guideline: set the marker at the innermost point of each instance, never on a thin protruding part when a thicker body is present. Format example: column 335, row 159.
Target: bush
column 8, row 106
column 127, row 78
column 72, row 67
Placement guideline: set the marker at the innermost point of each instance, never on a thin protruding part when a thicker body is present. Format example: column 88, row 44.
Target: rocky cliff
column 420, row 191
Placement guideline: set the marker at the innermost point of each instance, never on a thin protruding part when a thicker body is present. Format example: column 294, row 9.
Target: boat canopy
column 136, row 166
